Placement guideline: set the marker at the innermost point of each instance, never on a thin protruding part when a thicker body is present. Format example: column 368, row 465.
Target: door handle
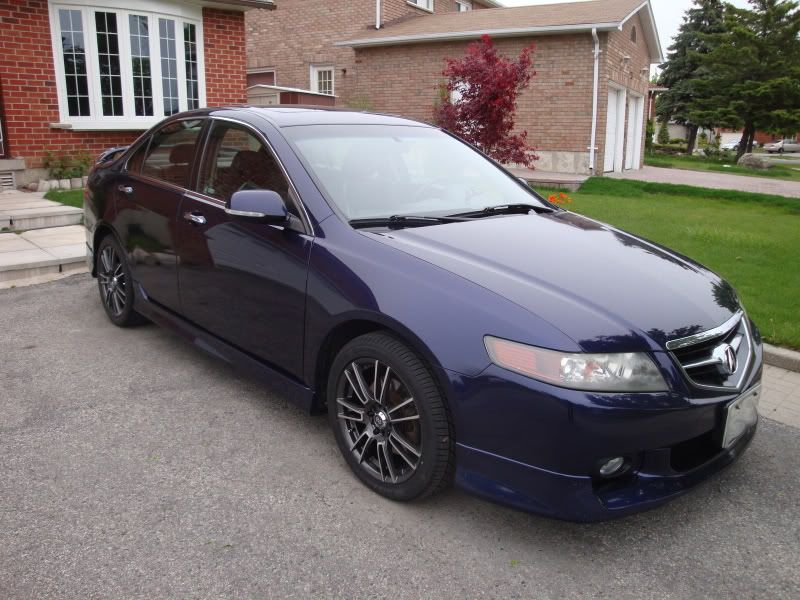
column 195, row 217
column 125, row 189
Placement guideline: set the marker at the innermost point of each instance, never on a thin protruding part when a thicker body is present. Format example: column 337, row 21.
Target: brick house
column 592, row 60
column 79, row 76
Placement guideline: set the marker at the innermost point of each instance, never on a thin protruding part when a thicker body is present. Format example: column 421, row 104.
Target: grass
column 68, row 197
column 720, row 165
column 751, row 240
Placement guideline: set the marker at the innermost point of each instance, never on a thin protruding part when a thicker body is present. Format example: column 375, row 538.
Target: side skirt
column 281, row 384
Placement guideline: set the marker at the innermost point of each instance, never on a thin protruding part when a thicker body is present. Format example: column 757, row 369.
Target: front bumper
column 536, row 447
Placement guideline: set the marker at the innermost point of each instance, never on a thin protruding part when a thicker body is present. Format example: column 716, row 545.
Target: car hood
column 600, row 286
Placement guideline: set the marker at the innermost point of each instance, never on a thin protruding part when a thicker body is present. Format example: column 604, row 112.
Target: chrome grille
column 718, row 358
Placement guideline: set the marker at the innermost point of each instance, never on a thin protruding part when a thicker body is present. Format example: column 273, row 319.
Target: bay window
column 126, row 65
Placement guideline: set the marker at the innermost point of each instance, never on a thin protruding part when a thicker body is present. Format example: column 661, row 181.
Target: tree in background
column 683, row 61
column 663, row 133
column 479, row 100
column 751, row 76
column 648, row 136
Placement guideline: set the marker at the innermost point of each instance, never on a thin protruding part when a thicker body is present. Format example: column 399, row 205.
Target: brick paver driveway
column 133, row 465
column 708, row 179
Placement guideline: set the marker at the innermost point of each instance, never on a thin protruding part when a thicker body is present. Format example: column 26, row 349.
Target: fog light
column 612, row 466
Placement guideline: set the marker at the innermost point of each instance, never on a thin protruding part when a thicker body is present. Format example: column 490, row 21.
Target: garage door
column 612, row 129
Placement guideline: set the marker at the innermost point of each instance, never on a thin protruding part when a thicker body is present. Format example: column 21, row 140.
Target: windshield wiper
column 506, row 209
column 399, row 221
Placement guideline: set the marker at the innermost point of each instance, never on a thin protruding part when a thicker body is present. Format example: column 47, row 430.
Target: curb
column 781, row 357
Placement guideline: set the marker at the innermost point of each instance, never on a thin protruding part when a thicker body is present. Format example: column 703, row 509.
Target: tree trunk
column 692, row 139
column 747, row 134
column 751, row 139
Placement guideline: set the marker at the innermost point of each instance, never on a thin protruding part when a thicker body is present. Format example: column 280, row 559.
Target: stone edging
column 781, row 357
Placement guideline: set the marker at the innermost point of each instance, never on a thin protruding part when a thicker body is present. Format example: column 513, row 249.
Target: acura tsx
column 454, row 325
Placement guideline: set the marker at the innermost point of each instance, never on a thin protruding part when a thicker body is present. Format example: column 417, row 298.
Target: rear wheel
column 114, row 283
column 389, row 418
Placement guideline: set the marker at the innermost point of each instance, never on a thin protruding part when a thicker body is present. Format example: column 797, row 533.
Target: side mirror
column 260, row 206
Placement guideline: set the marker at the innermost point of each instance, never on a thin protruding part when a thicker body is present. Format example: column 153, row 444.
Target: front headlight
column 625, row 372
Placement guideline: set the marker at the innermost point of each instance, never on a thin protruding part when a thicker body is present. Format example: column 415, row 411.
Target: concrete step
column 21, row 211
column 42, row 255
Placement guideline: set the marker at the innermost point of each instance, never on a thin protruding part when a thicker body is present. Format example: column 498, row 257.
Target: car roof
column 293, row 115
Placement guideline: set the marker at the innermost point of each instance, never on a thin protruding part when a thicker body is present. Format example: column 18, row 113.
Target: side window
column 237, row 160
column 135, row 161
column 171, row 152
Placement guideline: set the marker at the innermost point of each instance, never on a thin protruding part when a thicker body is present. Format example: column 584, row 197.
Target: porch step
column 42, row 255
column 21, row 211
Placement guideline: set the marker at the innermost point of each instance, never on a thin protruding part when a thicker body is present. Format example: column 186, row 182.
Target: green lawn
column 699, row 163
column 752, row 240
column 68, row 197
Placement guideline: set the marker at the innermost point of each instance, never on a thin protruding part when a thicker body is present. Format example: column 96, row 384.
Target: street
column 134, row 465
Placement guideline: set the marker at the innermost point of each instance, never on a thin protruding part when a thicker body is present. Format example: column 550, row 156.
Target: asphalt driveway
column 133, row 465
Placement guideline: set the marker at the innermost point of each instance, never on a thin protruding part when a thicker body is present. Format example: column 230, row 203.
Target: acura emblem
column 725, row 356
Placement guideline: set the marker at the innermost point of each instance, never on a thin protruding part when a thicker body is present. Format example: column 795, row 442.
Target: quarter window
column 322, row 80
column 237, row 160
column 134, row 66
column 171, row 152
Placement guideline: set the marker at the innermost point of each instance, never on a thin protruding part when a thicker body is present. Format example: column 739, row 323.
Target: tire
column 394, row 430
column 113, row 283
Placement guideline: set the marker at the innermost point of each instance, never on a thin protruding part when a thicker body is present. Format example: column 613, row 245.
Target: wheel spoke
column 360, row 388
column 117, row 305
column 350, row 406
column 405, row 443
column 411, row 418
column 401, row 405
column 401, row 453
column 367, row 444
column 358, row 440
column 120, row 295
column 106, row 259
column 382, row 397
column 387, row 458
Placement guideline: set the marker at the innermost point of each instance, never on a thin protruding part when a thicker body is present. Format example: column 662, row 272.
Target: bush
column 663, row 133
column 677, row 141
column 702, row 140
column 648, row 138
column 670, row 149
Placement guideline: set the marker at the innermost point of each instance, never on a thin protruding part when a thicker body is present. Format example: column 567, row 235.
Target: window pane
column 237, row 160
column 108, row 60
column 74, row 54
column 172, row 151
column 169, row 66
column 140, row 63
column 324, row 81
column 190, row 56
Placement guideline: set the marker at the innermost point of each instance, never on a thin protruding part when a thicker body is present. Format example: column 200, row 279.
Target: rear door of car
column 242, row 281
column 148, row 194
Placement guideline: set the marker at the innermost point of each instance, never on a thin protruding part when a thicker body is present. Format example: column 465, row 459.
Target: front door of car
column 149, row 194
column 240, row 280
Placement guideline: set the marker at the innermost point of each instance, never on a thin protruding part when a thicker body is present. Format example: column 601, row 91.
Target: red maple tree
column 480, row 98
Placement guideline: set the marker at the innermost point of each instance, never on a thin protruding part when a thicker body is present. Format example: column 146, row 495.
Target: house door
column 614, row 131
column 633, row 146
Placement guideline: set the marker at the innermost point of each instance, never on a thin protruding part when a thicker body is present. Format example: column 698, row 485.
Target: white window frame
column 464, row 5
column 153, row 11
column 422, row 4
column 315, row 70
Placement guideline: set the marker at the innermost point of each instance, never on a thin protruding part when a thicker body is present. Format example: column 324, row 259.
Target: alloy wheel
column 380, row 420
column 111, row 275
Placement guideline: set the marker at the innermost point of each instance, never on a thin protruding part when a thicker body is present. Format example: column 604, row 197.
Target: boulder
column 752, row 161
column 43, row 186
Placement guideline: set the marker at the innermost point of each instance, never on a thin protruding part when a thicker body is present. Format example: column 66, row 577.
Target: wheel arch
column 354, row 326
column 102, row 230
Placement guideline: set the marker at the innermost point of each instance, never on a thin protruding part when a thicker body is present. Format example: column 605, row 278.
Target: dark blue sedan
column 454, row 325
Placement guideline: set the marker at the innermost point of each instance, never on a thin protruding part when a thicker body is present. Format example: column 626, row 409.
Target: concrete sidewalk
column 20, row 211
column 41, row 255
column 709, row 179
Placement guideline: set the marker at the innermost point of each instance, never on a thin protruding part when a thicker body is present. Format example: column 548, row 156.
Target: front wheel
column 389, row 418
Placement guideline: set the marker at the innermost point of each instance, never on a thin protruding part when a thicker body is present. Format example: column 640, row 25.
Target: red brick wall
column 224, row 43
column 301, row 33
column 29, row 88
column 556, row 109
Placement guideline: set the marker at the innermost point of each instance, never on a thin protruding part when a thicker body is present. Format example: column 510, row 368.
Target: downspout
column 595, row 93
column 377, row 14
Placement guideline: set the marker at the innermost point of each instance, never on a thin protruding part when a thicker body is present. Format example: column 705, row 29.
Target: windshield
column 376, row 171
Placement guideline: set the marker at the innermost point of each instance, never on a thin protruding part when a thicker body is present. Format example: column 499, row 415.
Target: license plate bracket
column 740, row 415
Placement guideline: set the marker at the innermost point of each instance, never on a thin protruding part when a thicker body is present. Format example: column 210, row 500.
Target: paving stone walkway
column 781, row 398
column 41, row 255
column 719, row 181
column 20, row 211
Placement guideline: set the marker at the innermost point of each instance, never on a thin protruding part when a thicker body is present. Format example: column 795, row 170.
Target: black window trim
column 146, row 144
column 294, row 196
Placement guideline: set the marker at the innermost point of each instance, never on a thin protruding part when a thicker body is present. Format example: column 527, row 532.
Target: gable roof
column 541, row 19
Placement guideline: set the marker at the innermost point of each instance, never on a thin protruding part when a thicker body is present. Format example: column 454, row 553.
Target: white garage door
column 612, row 129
